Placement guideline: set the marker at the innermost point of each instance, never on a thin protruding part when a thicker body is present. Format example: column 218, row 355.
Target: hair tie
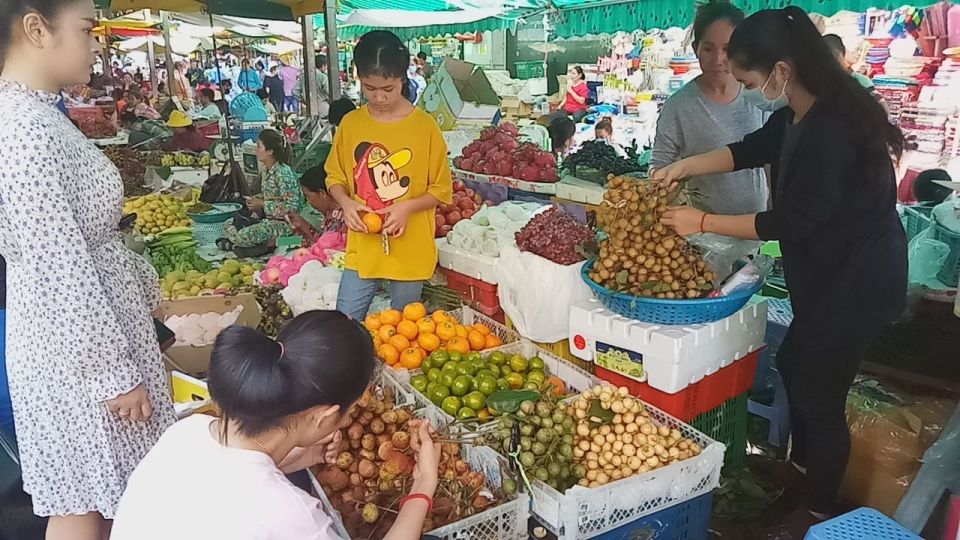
column 280, row 343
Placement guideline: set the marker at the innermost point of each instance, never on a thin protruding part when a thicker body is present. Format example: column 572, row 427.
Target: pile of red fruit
column 557, row 236
column 499, row 152
column 465, row 204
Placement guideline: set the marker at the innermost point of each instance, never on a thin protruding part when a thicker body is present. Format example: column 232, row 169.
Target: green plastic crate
column 916, row 219
column 727, row 423
column 529, row 70
column 950, row 270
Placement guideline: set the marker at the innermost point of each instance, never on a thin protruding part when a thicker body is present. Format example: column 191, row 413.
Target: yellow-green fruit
column 230, row 267
column 223, row 276
column 247, row 270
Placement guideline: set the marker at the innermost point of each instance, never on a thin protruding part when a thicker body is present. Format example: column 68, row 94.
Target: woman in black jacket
column 829, row 145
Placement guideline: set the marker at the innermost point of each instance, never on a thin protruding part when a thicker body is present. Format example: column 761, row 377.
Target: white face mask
column 759, row 99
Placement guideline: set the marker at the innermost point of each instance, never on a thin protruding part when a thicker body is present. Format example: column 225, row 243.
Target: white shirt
column 190, row 486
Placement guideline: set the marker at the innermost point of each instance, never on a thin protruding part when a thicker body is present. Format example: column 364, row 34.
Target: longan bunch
column 631, row 443
column 641, row 256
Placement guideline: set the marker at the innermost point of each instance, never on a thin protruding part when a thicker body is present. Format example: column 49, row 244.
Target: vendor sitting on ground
column 281, row 195
column 207, row 110
column 323, row 214
column 139, row 106
column 603, row 131
column 145, row 134
column 185, row 135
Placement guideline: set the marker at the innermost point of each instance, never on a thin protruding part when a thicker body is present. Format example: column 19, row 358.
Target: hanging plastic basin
column 221, row 212
column 664, row 311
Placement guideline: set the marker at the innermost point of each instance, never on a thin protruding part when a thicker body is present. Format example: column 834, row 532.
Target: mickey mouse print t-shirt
column 381, row 164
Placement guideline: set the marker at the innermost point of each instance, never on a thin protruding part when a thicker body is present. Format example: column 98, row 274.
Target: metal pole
column 309, row 69
column 152, row 59
column 168, row 53
column 226, row 117
column 333, row 49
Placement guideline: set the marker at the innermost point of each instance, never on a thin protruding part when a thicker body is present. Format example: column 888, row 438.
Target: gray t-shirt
column 691, row 124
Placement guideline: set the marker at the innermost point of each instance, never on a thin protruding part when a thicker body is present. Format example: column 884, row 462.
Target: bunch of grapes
column 557, row 236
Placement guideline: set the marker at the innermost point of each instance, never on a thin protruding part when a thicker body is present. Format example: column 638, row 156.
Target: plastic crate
column 685, row 521
column 479, row 294
column 664, row 311
column 860, row 524
column 916, row 219
column 950, row 269
column 209, row 233
column 529, row 70
column 560, row 348
column 697, row 398
column 727, row 423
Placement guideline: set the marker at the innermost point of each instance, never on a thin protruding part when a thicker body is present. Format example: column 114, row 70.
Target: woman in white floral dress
column 89, row 393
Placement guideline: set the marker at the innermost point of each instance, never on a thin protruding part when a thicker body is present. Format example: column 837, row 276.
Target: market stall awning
column 281, row 10
column 180, row 45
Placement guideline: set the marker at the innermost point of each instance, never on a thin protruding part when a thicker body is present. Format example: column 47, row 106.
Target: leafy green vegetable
column 508, row 401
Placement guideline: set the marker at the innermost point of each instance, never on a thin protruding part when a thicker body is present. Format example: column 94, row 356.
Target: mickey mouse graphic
column 376, row 178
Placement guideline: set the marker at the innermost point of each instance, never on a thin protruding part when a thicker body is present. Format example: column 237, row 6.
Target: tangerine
column 414, row 311
column 477, row 340
column 458, row 344
column 426, row 326
column 440, row 316
column 388, row 353
column 391, row 317
column 446, row 330
column 461, row 330
column 376, row 340
column 372, row 322
column 386, row 332
column 407, row 329
column 492, row 341
column 373, row 222
column 429, row 342
column 483, row 329
column 400, row 342
column 411, row 358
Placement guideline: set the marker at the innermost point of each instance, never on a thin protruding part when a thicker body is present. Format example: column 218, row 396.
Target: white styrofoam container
column 571, row 188
column 673, row 357
column 543, row 188
column 468, row 263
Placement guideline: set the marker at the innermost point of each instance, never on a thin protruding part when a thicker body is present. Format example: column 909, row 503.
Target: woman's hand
column 427, row 469
column 351, row 214
column 301, row 227
column 669, row 175
column 396, row 218
column 683, row 219
column 254, row 204
column 134, row 405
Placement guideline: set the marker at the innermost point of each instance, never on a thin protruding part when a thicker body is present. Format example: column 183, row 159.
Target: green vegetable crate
column 529, row 70
column 727, row 423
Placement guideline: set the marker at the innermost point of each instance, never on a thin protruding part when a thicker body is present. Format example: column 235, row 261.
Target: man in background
column 289, row 75
column 425, row 66
column 194, row 74
column 322, row 86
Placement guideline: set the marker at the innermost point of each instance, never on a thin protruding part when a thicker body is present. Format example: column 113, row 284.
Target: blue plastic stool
column 861, row 524
column 779, row 317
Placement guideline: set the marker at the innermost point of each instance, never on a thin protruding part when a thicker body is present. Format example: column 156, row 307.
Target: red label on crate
column 579, row 342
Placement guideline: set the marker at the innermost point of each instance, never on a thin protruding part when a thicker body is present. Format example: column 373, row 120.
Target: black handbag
column 225, row 187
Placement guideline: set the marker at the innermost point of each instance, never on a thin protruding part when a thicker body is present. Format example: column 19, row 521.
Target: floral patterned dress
column 79, row 330
column 281, row 196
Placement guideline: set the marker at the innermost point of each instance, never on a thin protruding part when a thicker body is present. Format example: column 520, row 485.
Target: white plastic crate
column 468, row 263
column 672, row 357
column 543, row 188
column 587, row 512
column 571, row 188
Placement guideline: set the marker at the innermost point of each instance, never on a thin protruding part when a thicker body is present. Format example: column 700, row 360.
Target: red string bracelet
column 702, row 219
column 423, row 496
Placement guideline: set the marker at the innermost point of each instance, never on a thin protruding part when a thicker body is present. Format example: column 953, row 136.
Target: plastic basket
column 727, row 423
column 685, row 521
column 916, row 219
column 209, row 233
column 663, row 311
column 861, row 524
column 529, row 70
column 221, row 212
column 560, row 348
column 479, row 294
column 950, row 269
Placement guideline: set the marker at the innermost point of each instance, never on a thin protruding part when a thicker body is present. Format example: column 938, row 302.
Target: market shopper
column 388, row 158
column 711, row 111
column 139, row 106
column 89, row 392
column 248, row 80
column 283, row 403
column 281, row 195
column 844, row 249
column 576, row 94
column 208, row 109
column 840, row 53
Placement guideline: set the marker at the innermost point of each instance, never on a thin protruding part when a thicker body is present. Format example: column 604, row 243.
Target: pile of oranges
column 404, row 339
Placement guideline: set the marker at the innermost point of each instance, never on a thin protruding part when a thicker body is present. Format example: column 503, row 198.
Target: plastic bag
column 925, row 256
column 721, row 253
column 537, row 294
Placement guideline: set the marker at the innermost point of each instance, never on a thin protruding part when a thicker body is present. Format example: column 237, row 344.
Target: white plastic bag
column 537, row 294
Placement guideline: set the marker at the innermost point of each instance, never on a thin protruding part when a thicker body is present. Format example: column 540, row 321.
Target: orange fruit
column 423, row 352
column 407, row 329
column 477, row 340
column 461, row 330
column 400, row 342
column 372, row 322
column 429, row 342
column 446, row 330
column 426, row 326
column 492, row 341
column 483, row 329
column 373, row 222
column 391, row 317
column 414, row 311
column 440, row 316
column 388, row 353
column 386, row 332
column 411, row 358
column 376, row 340
column 458, row 344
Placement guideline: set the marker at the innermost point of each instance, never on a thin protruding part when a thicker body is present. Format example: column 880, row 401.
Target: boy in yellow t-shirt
column 388, row 158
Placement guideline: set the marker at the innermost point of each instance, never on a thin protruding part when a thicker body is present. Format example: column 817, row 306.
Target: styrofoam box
column 543, row 188
column 574, row 189
column 673, row 357
column 468, row 263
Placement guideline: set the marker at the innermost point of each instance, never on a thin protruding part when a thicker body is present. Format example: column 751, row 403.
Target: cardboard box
column 513, row 107
column 460, row 94
column 195, row 360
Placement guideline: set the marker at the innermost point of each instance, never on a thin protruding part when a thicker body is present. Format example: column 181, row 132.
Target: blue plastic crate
column 670, row 312
column 688, row 520
column 861, row 524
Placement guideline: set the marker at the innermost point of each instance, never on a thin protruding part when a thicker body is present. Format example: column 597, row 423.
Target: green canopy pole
column 308, row 78
column 333, row 50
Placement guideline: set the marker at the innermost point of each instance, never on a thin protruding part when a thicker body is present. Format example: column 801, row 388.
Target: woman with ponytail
column 283, row 403
column 829, row 147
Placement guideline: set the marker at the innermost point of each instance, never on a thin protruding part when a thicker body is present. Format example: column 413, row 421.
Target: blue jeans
column 357, row 293
column 291, row 104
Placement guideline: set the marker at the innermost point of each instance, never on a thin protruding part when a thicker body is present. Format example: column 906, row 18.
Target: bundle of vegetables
column 602, row 157
column 557, row 236
column 273, row 309
column 175, row 249
column 615, row 437
column 499, row 152
column 641, row 256
column 131, row 168
column 374, row 471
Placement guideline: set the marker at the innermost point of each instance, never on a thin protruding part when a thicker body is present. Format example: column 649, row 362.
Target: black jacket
column 834, row 212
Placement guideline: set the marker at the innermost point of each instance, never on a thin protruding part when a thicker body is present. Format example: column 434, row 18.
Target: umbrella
column 283, row 10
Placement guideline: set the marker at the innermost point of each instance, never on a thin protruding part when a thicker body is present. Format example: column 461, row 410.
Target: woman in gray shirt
column 710, row 112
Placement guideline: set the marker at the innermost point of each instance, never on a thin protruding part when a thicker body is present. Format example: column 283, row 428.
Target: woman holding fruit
column 90, row 396
column 388, row 170
column 844, row 249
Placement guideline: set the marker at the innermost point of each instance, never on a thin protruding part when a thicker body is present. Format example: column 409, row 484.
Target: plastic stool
column 861, row 524
column 779, row 317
